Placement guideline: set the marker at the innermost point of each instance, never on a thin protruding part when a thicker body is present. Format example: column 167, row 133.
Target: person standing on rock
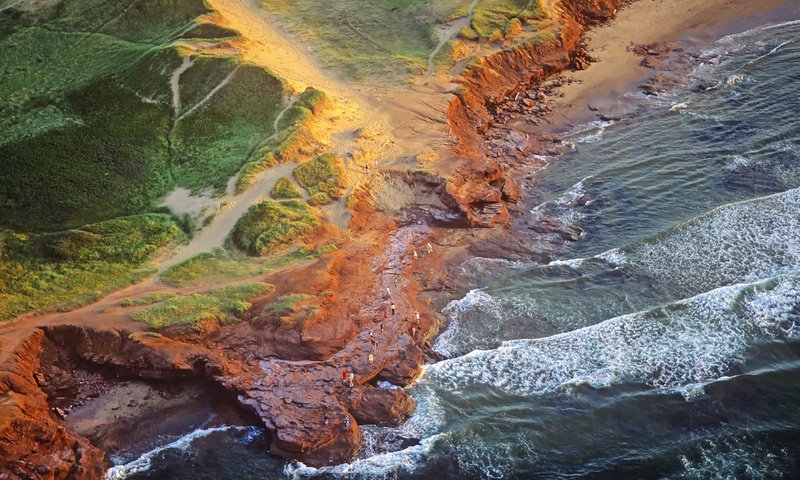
column 414, row 253
column 371, row 359
column 393, row 309
column 430, row 247
column 327, row 418
column 344, row 375
column 346, row 422
column 351, row 379
column 417, row 315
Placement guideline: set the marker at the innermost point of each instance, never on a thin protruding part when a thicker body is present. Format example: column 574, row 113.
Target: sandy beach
column 617, row 70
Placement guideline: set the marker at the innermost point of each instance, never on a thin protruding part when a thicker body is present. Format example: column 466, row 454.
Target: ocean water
column 664, row 344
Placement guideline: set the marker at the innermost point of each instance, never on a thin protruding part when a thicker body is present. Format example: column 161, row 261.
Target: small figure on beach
column 366, row 169
column 371, row 359
column 393, row 309
column 413, row 330
column 351, row 379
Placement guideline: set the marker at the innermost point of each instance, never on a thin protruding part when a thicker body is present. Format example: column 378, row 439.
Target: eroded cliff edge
column 480, row 184
column 287, row 372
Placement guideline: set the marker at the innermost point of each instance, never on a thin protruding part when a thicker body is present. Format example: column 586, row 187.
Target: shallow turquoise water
column 662, row 344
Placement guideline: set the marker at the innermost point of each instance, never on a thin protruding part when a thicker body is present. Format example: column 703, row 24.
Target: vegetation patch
column 215, row 136
column 499, row 19
column 210, row 267
column 149, row 299
column 271, row 224
column 291, row 140
column 220, row 266
column 88, row 128
column 288, row 304
column 322, row 175
column 285, row 188
column 320, row 198
column 366, row 38
column 198, row 311
column 61, row 271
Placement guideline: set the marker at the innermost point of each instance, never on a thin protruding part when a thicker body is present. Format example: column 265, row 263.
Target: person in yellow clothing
column 371, row 359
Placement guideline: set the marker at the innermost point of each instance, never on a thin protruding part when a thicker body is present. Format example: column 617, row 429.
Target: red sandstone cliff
column 480, row 185
column 288, row 371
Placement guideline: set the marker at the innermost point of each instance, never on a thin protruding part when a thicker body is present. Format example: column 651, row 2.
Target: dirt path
column 230, row 209
column 446, row 33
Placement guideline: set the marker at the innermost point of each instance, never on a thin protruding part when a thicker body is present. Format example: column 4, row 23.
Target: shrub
column 269, row 224
column 320, row 198
column 322, row 174
column 149, row 299
column 285, row 188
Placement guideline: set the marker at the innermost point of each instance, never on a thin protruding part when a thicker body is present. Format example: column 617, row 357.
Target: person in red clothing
column 344, row 375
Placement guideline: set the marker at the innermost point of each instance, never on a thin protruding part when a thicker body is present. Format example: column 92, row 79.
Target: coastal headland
column 306, row 280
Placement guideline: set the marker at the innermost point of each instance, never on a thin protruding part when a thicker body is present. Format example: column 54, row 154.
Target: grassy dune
column 87, row 127
column 271, row 224
column 67, row 269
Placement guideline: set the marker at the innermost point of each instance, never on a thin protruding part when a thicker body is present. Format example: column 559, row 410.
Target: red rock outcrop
column 33, row 443
column 480, row 185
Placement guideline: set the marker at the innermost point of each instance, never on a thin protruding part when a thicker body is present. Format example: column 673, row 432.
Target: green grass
column 285, row 188
column 320, row 198
column 149, row 299
column 86, row 117
column 113, row 162
column 364, row 39
column 60, row 271
column 199, row 310
column 291, row 139
column 210, row 267
column 494, row 19
column 321, row 175
column 219, row 266
column 209, row 31
column 271, row 224
column 288, row 304
column 215, row 140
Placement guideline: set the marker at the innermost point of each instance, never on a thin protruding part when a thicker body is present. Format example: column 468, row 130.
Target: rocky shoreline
column 285, row 374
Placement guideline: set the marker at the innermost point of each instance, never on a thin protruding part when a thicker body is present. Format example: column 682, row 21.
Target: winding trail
column 230, row 209
column 210, row 94
column 174, row 83
column 446, row 33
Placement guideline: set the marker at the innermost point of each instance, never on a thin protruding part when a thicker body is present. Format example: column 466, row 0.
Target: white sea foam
column 688, row 342
column 590, row 132
column 144, row 462
column 563, row 207
column 739, row 242
column 739, row 456
column 383, row 465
